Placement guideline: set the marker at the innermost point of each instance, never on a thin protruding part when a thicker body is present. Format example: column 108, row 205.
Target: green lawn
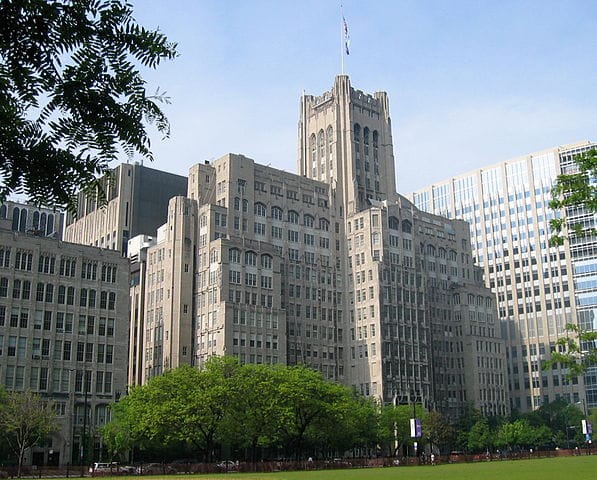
column 576, row 468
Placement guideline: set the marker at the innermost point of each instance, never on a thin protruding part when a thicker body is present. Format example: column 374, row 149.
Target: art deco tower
column 345, row 140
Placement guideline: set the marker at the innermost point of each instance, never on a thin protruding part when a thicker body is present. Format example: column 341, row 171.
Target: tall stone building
column 422, row 296
column 63, row 334
column 538, row 288
column 136, row 200
column 331, row 268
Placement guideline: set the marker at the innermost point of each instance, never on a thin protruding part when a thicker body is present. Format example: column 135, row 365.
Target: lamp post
column 568, row 428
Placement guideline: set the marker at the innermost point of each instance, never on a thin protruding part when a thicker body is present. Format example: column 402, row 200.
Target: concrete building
column 136, row 201
column 436, row 333
column 538, row 288
column 331, row 268
column 63, row 334
column 40, row 221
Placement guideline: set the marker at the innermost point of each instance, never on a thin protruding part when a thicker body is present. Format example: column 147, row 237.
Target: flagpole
column 342, row 38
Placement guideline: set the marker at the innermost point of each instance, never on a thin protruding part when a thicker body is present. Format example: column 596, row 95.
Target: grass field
column 574, row 468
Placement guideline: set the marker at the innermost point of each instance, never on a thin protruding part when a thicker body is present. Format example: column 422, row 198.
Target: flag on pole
column 346, row 37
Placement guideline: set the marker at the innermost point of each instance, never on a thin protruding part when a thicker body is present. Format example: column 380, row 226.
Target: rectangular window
column 80, row 351
column 109, row 353
column 66, row 350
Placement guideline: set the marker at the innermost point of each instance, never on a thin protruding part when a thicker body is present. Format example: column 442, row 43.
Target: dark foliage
column 71, row 95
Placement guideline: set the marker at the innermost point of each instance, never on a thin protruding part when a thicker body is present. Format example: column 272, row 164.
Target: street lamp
column 568, row 428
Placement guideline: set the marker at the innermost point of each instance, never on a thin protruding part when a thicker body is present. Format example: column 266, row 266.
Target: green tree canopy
column 578, row 351
column 71, row 95
column 577, row 189
column 246, row 407
column 25, row 420
column 480, row 437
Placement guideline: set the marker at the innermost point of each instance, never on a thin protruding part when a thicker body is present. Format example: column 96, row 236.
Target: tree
column 438, row 433
column 578, row 353
column 249, row 407
column 25, row 420
column 576, row 190
column 182, row 405
column 310, row 407
column 470, row 416
column 395, row 425
column 521, row 433
column 480, row 437
column 71, row 95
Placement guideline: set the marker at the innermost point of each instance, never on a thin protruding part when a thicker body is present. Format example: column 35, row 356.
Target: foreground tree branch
column 71, row 95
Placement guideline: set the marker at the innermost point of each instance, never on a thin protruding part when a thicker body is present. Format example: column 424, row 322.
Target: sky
column 470, row 82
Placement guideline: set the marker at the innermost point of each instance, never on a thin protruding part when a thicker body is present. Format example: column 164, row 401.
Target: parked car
column 228, row 466
column 100, row 469
column 127, row 470
column 154, row 468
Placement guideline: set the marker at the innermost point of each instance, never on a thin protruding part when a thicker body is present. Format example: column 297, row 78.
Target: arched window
column 407, row 227
column 393, row 223
column 324, row 224
column 330, row 137
column 357, row 133
column 42, row 222
column 23, row 220
column 35, row 220
column 16, row 212
column 366, row 135
column 431, row 250
column 293, row 217
column 260, row 210
column 213, row 255
column 277, row 213
column 266, row 261
column 250, row 258
column 245, row 205
column 375, row 139
column 234, row 255
column 321, row 144
column 313, row 147
column 236, row 203
column 50, row 225
column 308, row 220
column 442, row 252
column 452, row 255
column 3, row 211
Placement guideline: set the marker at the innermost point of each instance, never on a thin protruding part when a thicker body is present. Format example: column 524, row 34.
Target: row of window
column 253, row 318
column 66, row 266
column 250, row 258
column 250, row 298
column 63, row 323
column 40, row 221
column 21, row 347
column 14, row 379
column 250, row 279
column 255, row 341
column 21, row 290
column 276, row 213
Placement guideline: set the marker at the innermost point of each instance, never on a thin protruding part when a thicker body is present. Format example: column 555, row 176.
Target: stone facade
column 63, row 334
column 331, row 268
column 136, row 198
